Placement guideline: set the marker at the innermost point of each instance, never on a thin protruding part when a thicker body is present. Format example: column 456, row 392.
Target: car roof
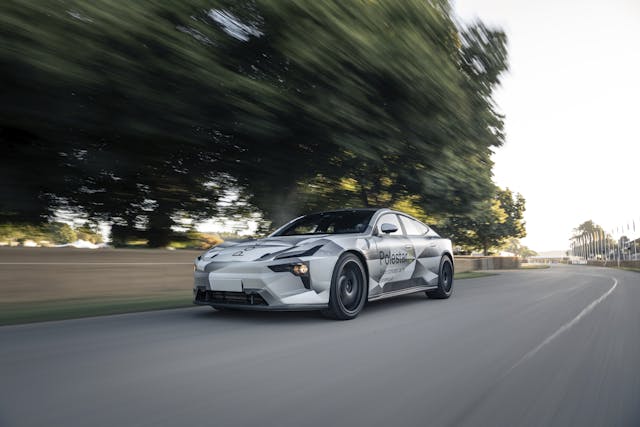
column 350, row 210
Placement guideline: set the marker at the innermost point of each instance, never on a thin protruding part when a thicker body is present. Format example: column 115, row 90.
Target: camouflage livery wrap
column 295, row 272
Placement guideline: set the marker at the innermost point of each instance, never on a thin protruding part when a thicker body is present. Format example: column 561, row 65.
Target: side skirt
column 292, row 307
column 402, row 292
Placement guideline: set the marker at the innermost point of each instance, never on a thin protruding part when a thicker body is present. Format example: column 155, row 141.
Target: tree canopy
column 514, row 246
column 491, row 224
column 587, row 228
column 140, row 113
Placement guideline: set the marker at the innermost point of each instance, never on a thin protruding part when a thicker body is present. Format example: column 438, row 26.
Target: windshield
column 328, row 223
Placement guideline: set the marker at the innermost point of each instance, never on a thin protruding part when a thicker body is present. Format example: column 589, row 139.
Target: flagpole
column 635, row 251
column 619, row 252
column 626, row 242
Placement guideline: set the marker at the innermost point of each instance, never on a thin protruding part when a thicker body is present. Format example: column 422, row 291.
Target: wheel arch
column 448, row 254
column 363, row 261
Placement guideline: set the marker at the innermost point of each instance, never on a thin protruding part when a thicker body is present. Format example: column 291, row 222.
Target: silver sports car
column 330, row 261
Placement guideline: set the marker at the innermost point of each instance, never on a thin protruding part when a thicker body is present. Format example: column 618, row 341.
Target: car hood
column 267, row 248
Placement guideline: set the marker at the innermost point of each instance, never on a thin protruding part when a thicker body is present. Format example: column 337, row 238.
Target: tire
column 445, row 280
column 348, row 291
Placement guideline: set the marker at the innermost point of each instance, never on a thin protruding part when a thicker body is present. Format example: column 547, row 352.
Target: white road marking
column 96, row 263
column 564, row 327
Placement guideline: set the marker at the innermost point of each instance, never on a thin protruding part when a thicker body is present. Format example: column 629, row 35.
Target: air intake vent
column 224, row 297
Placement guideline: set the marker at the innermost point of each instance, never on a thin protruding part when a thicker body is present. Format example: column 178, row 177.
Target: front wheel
column 445, row 280
column 348, row 288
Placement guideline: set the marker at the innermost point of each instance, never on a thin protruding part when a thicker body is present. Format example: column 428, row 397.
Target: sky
column 571, row 102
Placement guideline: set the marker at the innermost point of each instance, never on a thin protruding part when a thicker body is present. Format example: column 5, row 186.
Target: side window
column 422, row 229
column 390, row 219
column 413, row 227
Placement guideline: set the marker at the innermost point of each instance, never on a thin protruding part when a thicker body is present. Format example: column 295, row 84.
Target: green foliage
column 49, row 233
column 587, row 228
column 18, row 233
column 586, row 234
column 389, row 96
column 492, row 222
column 138, row 113
column 62, row 233
column 89, row 235
column 514, row 246
column 110, row 109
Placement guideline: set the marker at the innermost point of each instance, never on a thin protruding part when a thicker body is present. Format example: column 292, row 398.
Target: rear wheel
column 348, row 288
column 445, row 280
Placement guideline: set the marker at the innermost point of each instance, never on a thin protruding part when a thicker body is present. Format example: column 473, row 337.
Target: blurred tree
column 587, row 228
column 142, row 112
column 111, row 109
column 492, row 222
column 12, row 233
column 514, row 246
column 89, row 234
column 29, row 176
column 590, row 239
column 390, row 97
column 62, row 233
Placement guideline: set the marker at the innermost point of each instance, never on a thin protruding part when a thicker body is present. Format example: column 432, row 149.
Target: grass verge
column 28, row 312
column 471, row 275
column 74, row 308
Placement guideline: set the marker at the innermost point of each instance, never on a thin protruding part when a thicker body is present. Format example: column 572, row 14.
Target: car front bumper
column 253, row 285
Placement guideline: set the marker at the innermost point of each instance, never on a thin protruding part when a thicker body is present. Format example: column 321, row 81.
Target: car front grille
column 225, row 297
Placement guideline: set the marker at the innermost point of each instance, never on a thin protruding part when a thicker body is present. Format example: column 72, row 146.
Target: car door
column 426, row 248
column 396, row 256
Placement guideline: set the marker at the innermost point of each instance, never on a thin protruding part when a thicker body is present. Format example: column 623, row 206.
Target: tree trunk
column 159, row 231
column 120, row 234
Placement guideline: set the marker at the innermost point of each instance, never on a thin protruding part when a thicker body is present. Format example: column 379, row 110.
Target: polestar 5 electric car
column 330, row 261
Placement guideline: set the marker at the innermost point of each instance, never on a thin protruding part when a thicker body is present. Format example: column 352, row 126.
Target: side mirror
column 387, row 228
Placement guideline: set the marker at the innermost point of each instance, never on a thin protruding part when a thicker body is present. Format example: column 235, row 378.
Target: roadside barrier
column 473, row 263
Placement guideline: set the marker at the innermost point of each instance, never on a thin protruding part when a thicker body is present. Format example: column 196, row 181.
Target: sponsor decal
column 393, row 257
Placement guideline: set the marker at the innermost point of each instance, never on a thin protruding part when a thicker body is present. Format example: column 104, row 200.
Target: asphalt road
column 556, row 347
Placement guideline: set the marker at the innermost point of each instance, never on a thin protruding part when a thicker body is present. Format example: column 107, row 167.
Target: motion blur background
column 180, row 124
column 140, row 132
column 160, row 120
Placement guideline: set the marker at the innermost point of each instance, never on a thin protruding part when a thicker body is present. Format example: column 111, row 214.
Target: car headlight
column 296, row 268
column 300, row 269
